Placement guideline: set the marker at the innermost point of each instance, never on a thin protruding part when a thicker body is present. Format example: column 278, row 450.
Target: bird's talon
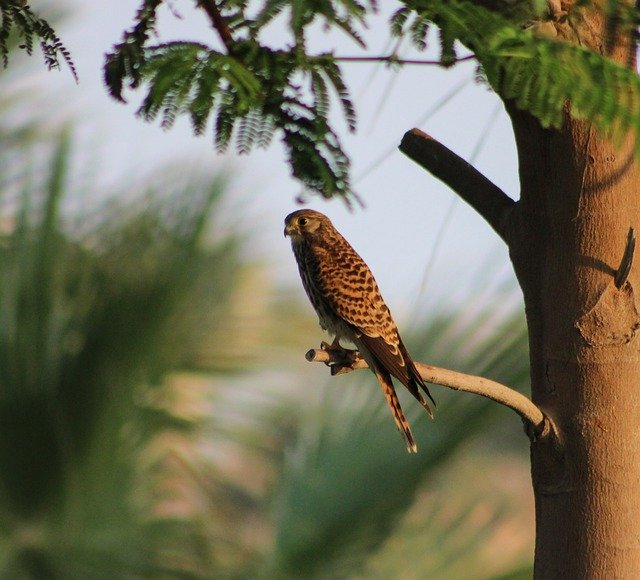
column 337, row 351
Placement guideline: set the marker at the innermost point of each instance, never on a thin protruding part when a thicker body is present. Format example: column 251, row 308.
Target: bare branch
column 342, row 361
column 483, row 195
column 219, row 23
column 393, row 59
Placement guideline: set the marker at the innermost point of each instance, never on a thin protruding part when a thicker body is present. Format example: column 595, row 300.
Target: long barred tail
column 384, row 378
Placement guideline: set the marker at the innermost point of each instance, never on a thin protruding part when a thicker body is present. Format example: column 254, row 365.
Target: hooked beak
column 288, row 230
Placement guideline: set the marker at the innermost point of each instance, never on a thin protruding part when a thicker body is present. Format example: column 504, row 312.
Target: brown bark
column 579, row 195
column 570, row 244
column 566, row 236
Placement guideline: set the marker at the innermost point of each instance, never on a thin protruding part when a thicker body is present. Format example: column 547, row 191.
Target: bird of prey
column 349, row 305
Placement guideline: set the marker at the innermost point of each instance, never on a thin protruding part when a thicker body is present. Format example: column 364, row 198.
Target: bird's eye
column 303, row 221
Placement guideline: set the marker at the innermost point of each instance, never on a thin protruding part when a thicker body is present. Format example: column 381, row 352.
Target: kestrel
column 349, row 305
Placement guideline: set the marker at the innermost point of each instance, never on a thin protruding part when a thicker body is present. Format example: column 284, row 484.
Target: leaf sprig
column 18, row 18
column 539, row 74
column 251, row 90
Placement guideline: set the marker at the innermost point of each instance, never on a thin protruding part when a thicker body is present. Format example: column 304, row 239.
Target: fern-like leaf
column 184, row 77
column 315, row 154
column 127, row 58
column 415, row 24
column 248, row 131
column 398, row 21
column 270, row 10
column 225, row 123
column 541, row 75
column 342, row 14
column 205, row 92
column 18, row 17
column 448, row 54
column 330, row 70
column 419, row 30
column 266, row 131
column 5, row 30
column 251, row 90
column 320, row 93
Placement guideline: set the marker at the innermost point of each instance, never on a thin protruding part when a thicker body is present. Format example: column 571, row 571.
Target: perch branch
column 483, row 195
column 345, row 360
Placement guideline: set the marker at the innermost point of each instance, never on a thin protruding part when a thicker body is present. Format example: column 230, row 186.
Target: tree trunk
column 579, row 195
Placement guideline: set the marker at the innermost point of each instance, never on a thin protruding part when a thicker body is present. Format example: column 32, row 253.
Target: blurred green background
column 158, row 420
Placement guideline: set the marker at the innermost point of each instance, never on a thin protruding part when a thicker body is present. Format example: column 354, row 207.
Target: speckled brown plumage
column 349, row 305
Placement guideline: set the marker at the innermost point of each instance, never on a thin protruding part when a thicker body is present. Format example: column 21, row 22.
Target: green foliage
column 540, row 75
column 252, row 91
column 342, row 14
column 94, row 313
column 18, row 18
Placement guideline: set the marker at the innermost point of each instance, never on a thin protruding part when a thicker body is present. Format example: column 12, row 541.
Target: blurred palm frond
column 91, row 318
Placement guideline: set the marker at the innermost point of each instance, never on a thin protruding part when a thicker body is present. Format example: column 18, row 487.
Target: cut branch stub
column 627, row 260
column 483, row 195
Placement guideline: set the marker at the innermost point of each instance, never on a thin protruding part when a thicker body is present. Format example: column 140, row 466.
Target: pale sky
column 410, row 219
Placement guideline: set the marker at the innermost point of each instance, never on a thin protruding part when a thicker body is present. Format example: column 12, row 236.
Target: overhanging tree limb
column 493, row 204
column 538, row 424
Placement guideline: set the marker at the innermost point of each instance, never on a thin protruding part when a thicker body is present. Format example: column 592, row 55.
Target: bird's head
column 304, row 224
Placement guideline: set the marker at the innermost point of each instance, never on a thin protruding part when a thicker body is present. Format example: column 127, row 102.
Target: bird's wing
column 352, row 293
column 397, row 362
column 387, row 355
